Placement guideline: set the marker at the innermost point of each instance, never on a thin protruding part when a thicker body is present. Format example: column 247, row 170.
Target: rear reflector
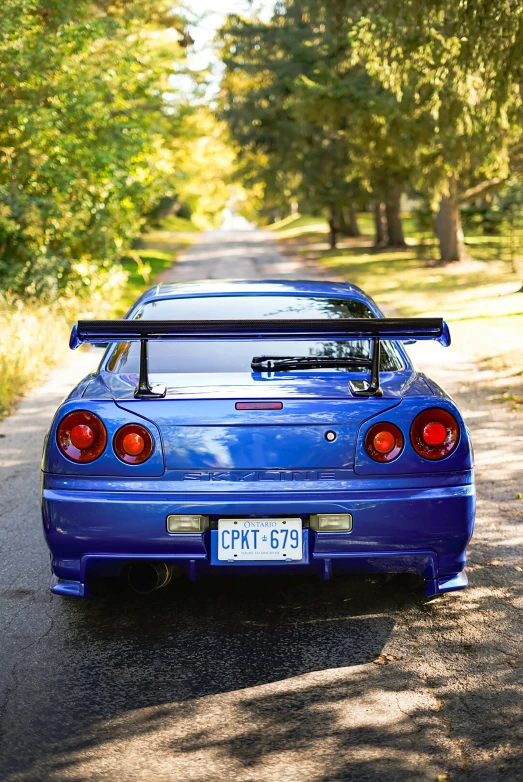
column 259, row 405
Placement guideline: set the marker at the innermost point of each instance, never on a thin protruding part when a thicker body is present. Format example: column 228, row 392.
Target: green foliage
column 206, row 164
column 337, row 101
column 141, row 269
column 459, row 65
column 83, row 135
column 310, row 120
column 276, row 100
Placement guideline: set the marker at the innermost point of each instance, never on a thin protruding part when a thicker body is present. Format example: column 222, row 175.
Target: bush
column 85, row 144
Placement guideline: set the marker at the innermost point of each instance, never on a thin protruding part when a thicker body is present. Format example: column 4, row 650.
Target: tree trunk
column 351, row 224
column 333, row 230
column 339, row 220
column 394, row 224
column 379, row 223
column 449, row 231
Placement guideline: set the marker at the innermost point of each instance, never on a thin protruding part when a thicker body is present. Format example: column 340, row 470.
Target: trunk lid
column 201, row 428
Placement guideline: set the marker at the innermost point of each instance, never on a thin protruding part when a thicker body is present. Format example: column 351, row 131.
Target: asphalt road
column 290, row 680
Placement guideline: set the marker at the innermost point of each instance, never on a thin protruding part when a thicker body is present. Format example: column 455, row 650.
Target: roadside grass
column 291, row 227
column 477, row 297
column 26, row 350
column 177, row 224
column 35, row 336
column 142, row 268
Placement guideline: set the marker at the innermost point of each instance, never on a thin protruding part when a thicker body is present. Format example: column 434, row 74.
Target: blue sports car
column 256, row 427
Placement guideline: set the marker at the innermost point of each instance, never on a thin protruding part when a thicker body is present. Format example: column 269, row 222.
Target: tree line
column 338, row 103
column 88, row 140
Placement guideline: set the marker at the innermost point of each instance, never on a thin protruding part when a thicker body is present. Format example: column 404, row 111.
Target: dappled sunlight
column 246, row 686
column 300, row 730
column 301, row 226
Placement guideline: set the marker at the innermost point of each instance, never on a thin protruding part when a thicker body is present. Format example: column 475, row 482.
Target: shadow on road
column 125, row 668
column 263, row 680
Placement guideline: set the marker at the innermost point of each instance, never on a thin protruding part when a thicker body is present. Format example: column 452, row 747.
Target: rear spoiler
column 102, row 331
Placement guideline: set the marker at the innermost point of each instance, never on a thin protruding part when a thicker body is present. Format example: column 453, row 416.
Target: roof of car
column 264, row 287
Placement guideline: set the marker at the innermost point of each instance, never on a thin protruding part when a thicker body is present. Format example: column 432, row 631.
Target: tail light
column 434, row 433
column 81, row 436
column 133, row 444
column 384, row 442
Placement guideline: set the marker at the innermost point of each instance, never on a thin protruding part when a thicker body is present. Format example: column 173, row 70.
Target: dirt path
column 292, row 680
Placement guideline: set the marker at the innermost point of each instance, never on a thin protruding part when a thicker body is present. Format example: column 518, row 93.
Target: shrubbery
column 85, row 147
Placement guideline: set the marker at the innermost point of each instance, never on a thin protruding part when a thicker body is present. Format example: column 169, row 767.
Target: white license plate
column 259, row 539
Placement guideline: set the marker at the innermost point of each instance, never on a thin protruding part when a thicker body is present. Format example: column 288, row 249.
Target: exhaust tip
column 146, row 577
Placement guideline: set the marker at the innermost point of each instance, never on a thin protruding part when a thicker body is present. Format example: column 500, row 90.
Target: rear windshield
column 236, row 356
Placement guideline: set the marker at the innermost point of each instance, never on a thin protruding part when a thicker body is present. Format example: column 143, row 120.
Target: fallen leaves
column 383, row 659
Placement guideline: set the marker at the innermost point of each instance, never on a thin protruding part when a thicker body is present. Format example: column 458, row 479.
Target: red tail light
column 133, row 444
column 434, row 433
column 384, row 442
column 81, row 436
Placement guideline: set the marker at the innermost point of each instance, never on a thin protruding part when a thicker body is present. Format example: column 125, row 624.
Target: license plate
column 259, row 539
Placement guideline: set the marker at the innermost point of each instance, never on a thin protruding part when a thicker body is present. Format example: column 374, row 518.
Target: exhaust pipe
column 145, row 577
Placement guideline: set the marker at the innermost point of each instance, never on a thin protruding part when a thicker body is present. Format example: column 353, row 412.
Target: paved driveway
column 272, row 680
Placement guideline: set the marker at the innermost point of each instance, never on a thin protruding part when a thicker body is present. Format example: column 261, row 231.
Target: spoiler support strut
column 372, row 388
column 144, row 390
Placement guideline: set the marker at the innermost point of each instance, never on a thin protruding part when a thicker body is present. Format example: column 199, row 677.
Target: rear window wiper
column 287, row 363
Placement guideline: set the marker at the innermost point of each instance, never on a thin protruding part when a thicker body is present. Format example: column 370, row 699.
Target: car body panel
column 209, row 458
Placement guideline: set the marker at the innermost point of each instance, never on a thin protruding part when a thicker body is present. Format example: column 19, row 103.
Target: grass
column 178, row 224
column 27, row 353
column 142, row 269
column 291, row 227
column 26, row 350
column 477, row 297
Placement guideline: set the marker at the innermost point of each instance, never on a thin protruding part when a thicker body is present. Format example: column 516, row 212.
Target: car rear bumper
column 97, row 533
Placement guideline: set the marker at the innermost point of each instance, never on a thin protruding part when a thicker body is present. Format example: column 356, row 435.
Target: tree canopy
column 337, row 100
column 84, row 135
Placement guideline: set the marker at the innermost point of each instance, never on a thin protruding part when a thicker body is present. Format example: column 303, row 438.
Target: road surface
column 272, row 680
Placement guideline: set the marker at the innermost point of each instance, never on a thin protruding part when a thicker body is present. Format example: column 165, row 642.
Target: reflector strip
column 259, row 405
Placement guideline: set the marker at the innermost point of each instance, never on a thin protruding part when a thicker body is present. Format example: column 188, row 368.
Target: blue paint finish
column 244, row 482
column 265, row 447
column 412, row 515
column 304, row 411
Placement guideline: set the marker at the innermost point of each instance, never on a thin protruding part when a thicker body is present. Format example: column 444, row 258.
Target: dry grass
column 478, row 298
column 35, row 336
